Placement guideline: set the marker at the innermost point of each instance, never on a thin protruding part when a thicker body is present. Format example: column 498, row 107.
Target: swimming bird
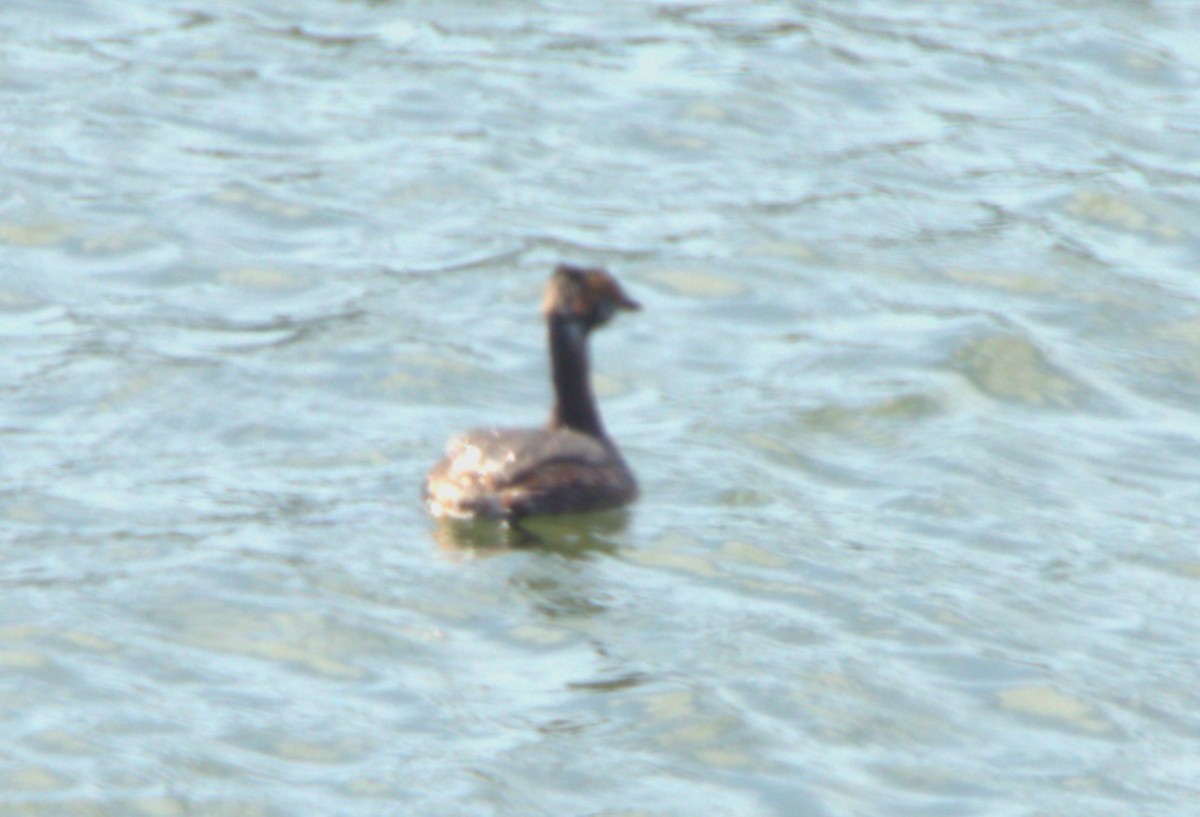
column 570, row 465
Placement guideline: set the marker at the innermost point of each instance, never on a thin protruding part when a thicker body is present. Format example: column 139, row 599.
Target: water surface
column 913, row 405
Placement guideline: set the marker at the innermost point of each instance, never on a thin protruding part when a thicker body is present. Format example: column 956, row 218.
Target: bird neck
column 574, row 405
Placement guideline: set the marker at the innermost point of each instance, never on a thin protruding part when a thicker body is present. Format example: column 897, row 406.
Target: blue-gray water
column 913, row 402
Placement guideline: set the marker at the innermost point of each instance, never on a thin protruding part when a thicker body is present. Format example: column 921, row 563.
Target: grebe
column 571, row 465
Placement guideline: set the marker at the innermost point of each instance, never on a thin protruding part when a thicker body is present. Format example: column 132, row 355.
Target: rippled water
column 913, row 403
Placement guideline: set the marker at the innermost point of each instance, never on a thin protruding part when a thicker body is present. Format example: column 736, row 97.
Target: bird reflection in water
column 575, row 536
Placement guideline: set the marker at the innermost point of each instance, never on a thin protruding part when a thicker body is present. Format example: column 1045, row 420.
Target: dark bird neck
column 574, row 405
